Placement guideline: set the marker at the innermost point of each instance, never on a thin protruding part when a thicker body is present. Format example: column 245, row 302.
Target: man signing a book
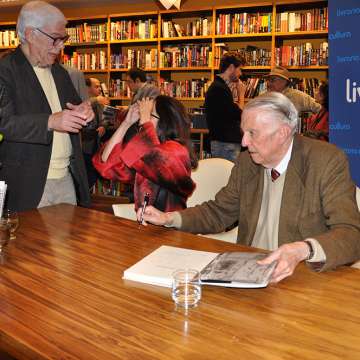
column 290, row 194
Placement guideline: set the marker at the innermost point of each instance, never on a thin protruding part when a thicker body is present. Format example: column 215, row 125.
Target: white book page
column 157, row 268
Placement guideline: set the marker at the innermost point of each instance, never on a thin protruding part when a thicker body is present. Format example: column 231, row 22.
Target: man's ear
column 29, row 34
column 285, row 131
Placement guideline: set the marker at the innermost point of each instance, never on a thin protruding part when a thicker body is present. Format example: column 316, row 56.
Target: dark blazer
column 26, row 150
column 222, row 114
column 318, row 201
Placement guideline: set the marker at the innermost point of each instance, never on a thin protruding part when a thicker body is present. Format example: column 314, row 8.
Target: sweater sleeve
column 113, row 168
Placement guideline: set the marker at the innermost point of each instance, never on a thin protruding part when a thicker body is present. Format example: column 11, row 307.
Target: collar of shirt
column 282, row 166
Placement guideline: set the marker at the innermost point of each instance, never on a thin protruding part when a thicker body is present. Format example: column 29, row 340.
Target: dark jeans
column 229, row 151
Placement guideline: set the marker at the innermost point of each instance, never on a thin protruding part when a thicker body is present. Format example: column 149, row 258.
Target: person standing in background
column 279, row 80
column 92, row 134
column 41, row 116
column 95, row 91
column 223, row 115
column 139, row 87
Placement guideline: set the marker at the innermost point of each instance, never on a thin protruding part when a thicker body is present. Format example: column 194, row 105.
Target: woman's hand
column 132, row 115
column 145, row 108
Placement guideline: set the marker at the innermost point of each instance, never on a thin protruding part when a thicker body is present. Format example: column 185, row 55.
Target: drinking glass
column 12, row 219
column 4, row 233
column 186, row 288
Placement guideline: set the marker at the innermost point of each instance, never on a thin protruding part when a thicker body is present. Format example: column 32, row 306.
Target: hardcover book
column 230, row 269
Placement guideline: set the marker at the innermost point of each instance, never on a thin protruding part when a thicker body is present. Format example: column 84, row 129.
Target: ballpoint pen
column 145, row 203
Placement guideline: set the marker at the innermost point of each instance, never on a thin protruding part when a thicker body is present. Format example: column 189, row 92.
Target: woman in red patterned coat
column 158, row 159
column 317, row 126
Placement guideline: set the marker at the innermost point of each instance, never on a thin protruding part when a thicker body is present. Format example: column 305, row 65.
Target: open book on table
column 231, row 269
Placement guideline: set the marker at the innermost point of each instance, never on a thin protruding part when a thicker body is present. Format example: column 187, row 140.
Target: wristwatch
column 311, row 250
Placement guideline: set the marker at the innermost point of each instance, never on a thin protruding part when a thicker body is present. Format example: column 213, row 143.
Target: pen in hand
column 145, row 203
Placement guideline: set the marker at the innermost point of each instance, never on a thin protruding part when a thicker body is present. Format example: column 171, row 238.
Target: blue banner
column 344, row 46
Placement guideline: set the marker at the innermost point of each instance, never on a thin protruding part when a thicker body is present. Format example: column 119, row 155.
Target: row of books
column 87, row 33
column 254, row 86
column 302, row 55
column 96, row 60
column 243, row 23
column 253, row 55
column 314, row 19
column 200, row 27
column 8, row 38
column 107, row 187
column 118, row 87
column 307, row 85
column 192, row 55
column 133, row 29
column 144, row 59
column 195, row 88
column 257, row 85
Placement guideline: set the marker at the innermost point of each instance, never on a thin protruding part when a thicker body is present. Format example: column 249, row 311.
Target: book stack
column 302, row 55
column 195, row 88
column 8, row 38
column 95, row 60
column 119, row 88
column 243, row 23
column 133, row 29
column 309, row 20
column 200, row 27
column 144, row 58
column 191, row 55
column 87, row 33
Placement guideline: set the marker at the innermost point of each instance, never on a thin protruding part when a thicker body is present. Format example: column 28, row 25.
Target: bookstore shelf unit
column 181, row 50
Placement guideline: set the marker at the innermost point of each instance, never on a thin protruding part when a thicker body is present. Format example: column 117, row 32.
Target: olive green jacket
column 318, row 201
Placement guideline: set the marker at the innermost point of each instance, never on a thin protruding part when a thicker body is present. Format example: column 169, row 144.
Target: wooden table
column 63, row 297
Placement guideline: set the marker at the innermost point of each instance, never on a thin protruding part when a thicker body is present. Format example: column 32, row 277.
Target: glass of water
column 4, row 233
column 12, row 219
column 186, row 288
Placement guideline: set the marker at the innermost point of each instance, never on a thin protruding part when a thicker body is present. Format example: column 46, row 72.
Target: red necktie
column 274, row 174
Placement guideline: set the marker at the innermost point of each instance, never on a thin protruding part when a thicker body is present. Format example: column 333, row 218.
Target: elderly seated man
column 290, row 194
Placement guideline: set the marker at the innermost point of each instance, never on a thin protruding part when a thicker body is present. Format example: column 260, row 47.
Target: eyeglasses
column 56, row 40
column 155, row 116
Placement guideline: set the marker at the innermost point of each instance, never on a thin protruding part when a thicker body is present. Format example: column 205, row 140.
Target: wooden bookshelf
column 268, row 41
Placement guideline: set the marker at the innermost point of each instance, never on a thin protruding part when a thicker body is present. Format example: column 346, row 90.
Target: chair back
column 210, row 176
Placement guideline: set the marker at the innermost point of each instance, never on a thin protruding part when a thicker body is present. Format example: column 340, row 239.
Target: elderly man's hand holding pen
column 154, row 216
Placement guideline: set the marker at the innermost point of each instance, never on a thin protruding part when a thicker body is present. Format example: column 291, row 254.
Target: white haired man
column 41, row 115
column 290, row 194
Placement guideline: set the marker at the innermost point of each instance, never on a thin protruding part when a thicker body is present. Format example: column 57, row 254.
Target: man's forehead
column 57, row 28
column 258, row 116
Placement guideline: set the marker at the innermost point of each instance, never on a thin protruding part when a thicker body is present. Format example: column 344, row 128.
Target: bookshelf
column 8, row 39
column 180, row 50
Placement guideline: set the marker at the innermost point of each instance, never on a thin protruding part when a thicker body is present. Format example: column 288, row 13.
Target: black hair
column 136, row 73
column 324, row 90
column 88, row 82
column 174, row 124
column 231, row 58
